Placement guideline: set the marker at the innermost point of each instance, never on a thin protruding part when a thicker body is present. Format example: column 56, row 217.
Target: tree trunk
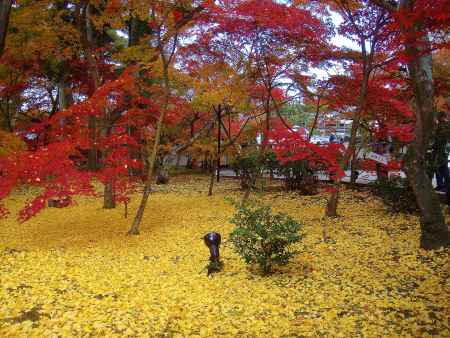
column 331, row 209
column 5, row 10
column 245, row 196
column 92, row 151
column 134, row 230
column 163, row 175
column 109, row 197
column 7, row 123
column 219, row 129
column 109, row 200
column 65, row 98
column 166, row 61
column 262, row 151
column 316, row 119
column 88, row 45
column 353, row 171
column 134, row 33
column 211, row 181
column 332, row 204
column 434, row 230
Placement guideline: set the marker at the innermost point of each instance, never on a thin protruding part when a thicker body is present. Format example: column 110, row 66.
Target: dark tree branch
column 5, row 10
column 389, row 5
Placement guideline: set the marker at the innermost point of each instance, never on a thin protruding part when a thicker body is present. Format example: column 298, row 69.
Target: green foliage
column 54, row 68
column 396, row 193
column 299, row 176
column 248, row 167
column 271, row 161
column 298, row 114
column 263, row 237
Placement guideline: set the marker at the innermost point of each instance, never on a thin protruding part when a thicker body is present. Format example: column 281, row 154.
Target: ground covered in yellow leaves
column 73, row 272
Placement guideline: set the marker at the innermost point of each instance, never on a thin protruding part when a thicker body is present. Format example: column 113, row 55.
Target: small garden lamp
column 212, row 241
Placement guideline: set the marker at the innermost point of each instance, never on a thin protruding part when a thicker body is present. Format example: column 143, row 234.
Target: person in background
column 440, row 155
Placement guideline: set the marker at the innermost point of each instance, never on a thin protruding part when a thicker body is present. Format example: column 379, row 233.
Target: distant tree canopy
column 116, row 90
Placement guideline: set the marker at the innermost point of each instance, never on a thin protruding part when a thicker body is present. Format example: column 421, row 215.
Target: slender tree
column 416, row 19
column 5, row 10
column 167, row 38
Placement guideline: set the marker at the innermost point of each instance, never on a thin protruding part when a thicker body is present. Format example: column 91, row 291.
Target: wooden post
column 219, row 109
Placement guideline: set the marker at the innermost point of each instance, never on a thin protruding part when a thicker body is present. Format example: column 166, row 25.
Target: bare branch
column 389, row 5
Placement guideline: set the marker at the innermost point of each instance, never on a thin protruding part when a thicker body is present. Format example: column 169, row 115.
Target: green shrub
column 262, row 237
column 248, row 168
column 299, row 176
column 396, row 194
